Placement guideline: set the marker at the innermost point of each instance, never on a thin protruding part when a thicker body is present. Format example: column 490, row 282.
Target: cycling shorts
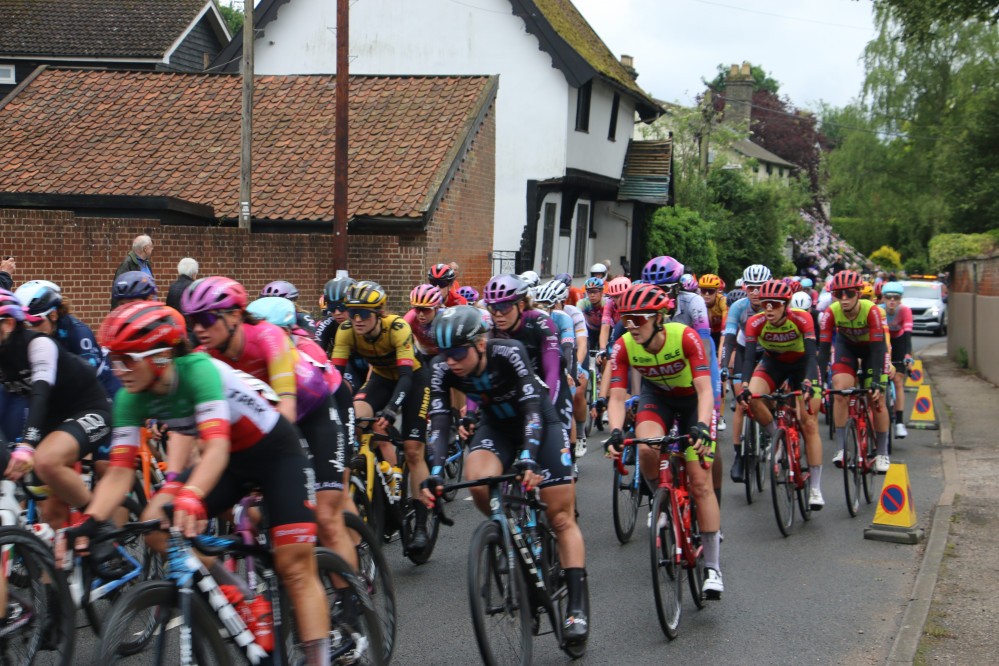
column 775, row 373
column 503, row 439
column 91, row 428
column 898, row 358
column 378, row 390
column 660, row 409
column 326, row 438
column 847, row 358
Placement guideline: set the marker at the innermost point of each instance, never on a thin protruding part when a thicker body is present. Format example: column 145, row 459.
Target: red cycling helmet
column 618, row 286
column 846, row 280
column 440, row 275
column 776, row 290
column 141, row 326
column 644, row 298
column 878, row 288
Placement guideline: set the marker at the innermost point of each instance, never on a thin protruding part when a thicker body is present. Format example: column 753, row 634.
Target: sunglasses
column 501, row 308
column 360, row 313
column 772, row 303
column 423, row 310
column 124, row 361
column 845, row 293
column 750, row 288
column 457, row 353
column 205, row 319
column 636, row 320
column 35, row 323
column 893, row 297
column 709, row 292
column 336, row 307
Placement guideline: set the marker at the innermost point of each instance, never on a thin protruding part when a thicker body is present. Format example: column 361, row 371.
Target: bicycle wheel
column 781, row 486
column 453, row 469
column 695, row 576
column 869, row 476
column 498, row 600
column 829, row 416
column 356, row 640
column 852, row 468
column 39, row 614
column 762, row 457
column 377, row 577
column 750, row 457
column 409, row 525
column 626, row 497
column 667, row 574
column 162, row 598
column 805, row 491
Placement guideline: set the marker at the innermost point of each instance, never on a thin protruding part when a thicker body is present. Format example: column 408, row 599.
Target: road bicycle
column 593, row 392
column 861, row 448
column 755, row 454
column 381, row 492
column 628, row 487
column 675, row 547
column 376, row 576
column 515, row 575
column 787, row 476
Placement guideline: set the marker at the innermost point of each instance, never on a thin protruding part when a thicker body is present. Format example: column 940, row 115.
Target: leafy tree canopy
column 761, row 80
column 921, row 19
column 233, row 18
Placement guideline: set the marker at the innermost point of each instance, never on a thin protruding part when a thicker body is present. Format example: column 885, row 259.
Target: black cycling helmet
column 458, row 326
column 440, row 275
column 133, row 284
column 336, row 290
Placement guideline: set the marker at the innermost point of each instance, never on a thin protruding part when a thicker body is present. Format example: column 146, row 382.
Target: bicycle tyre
column 32, row 563
column 750, row 457
column 207, row 643
column 361, row 502
column 805, row 491
column 781, row 486
column 695, row 577
column 667, row 574
column 626, row 499
column 852, row 468
column 869, row 476
column 494, row 591
column 409, row 525
column 377, row 576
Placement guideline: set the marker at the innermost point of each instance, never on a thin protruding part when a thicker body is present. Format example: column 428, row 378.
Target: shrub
column 945, row 248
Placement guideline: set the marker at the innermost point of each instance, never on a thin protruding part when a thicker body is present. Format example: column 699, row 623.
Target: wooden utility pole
column 246, row 125
column 340, row 146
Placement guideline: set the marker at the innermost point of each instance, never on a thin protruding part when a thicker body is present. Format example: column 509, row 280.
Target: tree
column 887, row 257
column 761, row 80
column 684, row 235
column 233, row 18
column 920, row 19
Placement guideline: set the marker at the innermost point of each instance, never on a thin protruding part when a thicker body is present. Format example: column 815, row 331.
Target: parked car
column 928, row 302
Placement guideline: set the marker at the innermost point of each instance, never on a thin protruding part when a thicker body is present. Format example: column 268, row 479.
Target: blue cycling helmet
column 276, row 310
column 893, row 288
column 594, row 283
column 564, row 278
column 806, row 283
column 458, row 326
column 133, row 284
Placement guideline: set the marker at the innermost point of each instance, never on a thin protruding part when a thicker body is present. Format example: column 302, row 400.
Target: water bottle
column 10, row 510
column 44, row 532
column 263, row 623
column 396, row 482
column 386, row 469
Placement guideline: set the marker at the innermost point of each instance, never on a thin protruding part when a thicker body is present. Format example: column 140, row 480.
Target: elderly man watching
column 137, row 259
column 187, row 270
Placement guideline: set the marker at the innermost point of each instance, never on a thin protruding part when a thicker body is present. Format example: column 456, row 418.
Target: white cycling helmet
column 531, row 278
column 738, row 283
column 756, row 274
column 598, row 268
column 801, row 300
column 552, row 292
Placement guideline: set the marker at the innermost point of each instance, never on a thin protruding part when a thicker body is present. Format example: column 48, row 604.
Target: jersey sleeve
column 697, row 311
column 439, row 414
column 827, row 325
column 343, row 345
column 607, row 318
column 211, row 411
column 693, row 350
column 732, row 320
column 401, row 337
column 619, row 364
column 905, row 321
column 754, row 326
column 280, row 361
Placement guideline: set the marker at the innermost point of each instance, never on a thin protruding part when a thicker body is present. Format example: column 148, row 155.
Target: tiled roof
column 94, row 28
column 167, row 134
column 647, row 172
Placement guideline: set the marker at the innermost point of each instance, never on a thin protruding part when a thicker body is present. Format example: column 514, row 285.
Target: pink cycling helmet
column 10, row 306
column 213, row 293
column 618, row 286
column 504, row 288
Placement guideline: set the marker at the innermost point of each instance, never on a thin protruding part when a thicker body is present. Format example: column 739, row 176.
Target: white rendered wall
column 591, row 150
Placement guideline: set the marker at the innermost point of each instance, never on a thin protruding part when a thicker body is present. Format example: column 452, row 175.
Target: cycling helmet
column 281, row 288
column 598, row 268
column 738, row 283
column 468, row 293
column 425, row 296
column 38, row 297
column 366, row 294
column 867, row 290
column 644, row 298
column 531, row 278
column 846, row 280
column 276, row 310
column 133, row 284
column 10, row 306
column 893, row 288
column 710, row 281
column 213, row 293
column 594, row 283
column 878, row 287
column 504, row 288
column 688, row 282
column 794, row 284
column 662, row 270
column 756, row 274
column 735, row 295
column 618, row 286
column 141, row 326
column 553, row 292
column 776, row 290
column 806, row 283
column 564, row 278
column 440, row 275
column 802, row 301
column 458, row 326
column 336, row 289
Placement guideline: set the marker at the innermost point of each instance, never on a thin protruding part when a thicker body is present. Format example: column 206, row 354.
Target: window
column 583, row 107
column 7, row 75
column 780, row 171
column 548, row 239
column 582, row 235
column 770, row 169
column 612, row 131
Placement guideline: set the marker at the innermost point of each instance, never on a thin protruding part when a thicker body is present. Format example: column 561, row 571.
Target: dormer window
column 612, row 132
column 7, row 74
column 583, row 107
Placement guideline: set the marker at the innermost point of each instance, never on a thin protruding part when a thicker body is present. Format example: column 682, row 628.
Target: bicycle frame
column 673, row 477
column 859, row 409
column 371, row 469
column 786, row 417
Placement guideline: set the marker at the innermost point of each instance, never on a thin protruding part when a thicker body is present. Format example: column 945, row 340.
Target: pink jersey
column 422, row 334
column 901, row 323
column 610, row 315
column 315, row 355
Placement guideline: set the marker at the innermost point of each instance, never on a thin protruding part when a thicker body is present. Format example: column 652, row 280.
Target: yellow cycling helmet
column 366, row 294
column 867, row 290
column 710, row 281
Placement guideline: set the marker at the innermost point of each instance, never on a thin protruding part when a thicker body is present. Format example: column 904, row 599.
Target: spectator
column 838, row 264
column 137, row 259
column 187, row 269
column 7, row 267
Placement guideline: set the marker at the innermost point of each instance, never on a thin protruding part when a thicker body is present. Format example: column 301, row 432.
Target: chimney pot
column 627, row 61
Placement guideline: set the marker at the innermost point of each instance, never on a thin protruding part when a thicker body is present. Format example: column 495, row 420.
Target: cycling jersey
column 313, row 353
column 786, row 342
column 356, row 369
column 566, row 339
column 717, row 314
column 593, row 314
column 540, row 336
column 305, row 322
column 735, row 322
column 900, row 332
column 453, row 298
column 670, row 370
column 855, row 338
column 610, row 315
column 575, row 296
column 692, row 311
column 386, row 354
column 57, row 384
column 422, row 334
column 578, row 319
column 76, row 337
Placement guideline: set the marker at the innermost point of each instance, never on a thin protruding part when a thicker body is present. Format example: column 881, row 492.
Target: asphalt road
column 824, row 595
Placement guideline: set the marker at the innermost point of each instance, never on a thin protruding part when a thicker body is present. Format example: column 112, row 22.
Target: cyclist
column 575, row 293
column 133, row 286
column 900, row 328
column 244, row 441
column 469, row 294
column 68, row 414
column 710, row 287
column 285, row 289
column 609, row 319
column 426, row 301
column 567, row 343
column 592, row 308
column 860, row 339
column 442, row 276
column 599, row 270
column 398, row 383
column 518, row 428
column 787, row 337
column 355, row 372
column 216, row 307
column 735, row 341
column 676, row 386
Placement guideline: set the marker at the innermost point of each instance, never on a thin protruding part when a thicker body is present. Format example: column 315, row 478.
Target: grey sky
column 812, row 47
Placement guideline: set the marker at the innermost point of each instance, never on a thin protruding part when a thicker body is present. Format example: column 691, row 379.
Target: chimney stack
column 629, row 66
column 738, row 95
